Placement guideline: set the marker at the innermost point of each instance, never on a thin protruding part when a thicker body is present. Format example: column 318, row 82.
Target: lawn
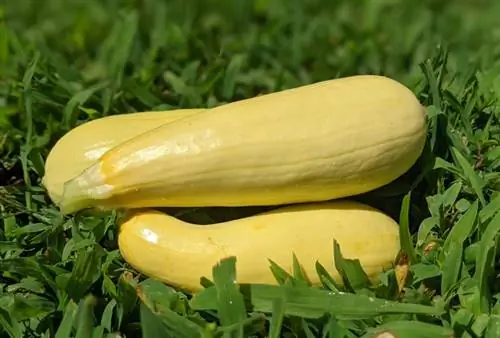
column 66, row 62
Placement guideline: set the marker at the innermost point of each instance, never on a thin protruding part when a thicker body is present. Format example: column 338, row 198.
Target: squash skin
column 82, row 146
column 328, row 140
column 179, row 253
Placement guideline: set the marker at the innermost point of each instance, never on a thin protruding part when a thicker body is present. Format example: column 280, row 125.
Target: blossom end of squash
column 74, row 198
column 83, row 191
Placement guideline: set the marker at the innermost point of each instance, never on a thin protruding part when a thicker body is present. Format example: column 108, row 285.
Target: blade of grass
column 85, row 317
column 250, row 327
column 277, row 315
column 461, row 230
column 472, row 177
column 27, row 96
column 28, row 108
column 230, row 302
column 157, row 302
column 76, row 100
column 9, row 325
column 152, row 326
column 452, row 266
column 352, row 273
column 313, row 303
column 335, row 330
column 404, row 229
column 410, row 329
column 490, row 209
column 326, row 279
column 66, row 326
column 484, row 260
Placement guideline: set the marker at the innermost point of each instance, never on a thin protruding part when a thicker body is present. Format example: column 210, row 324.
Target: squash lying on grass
column 82, row 146
column 179, row 253
column 318, row 142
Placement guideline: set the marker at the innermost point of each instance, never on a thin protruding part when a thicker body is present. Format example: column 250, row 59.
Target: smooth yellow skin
column 318, row 142
column 179, row 253
column 84, row 145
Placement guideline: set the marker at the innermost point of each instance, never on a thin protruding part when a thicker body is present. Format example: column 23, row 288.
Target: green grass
column 62, row 64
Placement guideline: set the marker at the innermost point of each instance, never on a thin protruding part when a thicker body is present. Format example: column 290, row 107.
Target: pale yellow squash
column 82, row 146
column 178, row 253
column 318, row 142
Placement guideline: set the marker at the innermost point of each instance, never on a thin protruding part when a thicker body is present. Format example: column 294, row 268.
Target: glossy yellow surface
column 82, row 146
column 180, row 253
column 318, row 142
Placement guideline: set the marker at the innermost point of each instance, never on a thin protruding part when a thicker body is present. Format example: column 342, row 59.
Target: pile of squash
column 302, row 150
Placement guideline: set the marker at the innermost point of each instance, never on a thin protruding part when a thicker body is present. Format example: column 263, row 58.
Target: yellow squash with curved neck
column 179, row 253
